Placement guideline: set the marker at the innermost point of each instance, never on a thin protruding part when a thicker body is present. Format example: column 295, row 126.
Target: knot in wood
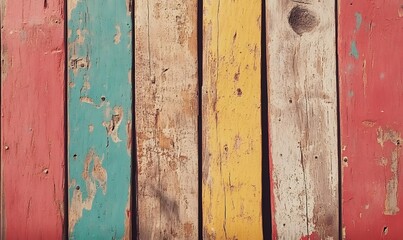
column 302, row 20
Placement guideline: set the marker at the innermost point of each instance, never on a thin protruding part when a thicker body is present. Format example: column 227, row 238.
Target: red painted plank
column 32, row 119
column 371, row 83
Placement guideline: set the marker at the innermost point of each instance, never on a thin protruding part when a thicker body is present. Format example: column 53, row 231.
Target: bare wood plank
column 371, row 95
column 99, row 118
column 166, row 118
column 32, row 119
column 302, row 118
column 232, row 120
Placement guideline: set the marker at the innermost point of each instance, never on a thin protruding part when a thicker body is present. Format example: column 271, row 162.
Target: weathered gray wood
column 303, row 118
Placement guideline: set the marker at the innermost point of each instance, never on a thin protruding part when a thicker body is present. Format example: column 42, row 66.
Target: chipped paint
column 117, row 36
column 91, row 176
column 71, row 5
column 112, row 127
column 391, row 199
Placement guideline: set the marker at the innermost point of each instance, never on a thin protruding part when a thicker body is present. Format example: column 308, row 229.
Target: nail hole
column 290, row 101
column 345, row 159
column 78, row 188
column 46, row 171
column 385, row 230
column 316, row 157
column 103, row 98
column 75, row 156
column 398, row 142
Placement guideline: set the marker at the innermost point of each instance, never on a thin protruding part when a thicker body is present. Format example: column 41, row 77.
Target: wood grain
column 99, row 118
column 166, row 118
column 303, row 119
column 371, row 95
column 32, row 119
column 231, row 120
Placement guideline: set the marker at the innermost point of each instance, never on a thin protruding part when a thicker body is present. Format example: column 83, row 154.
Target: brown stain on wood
column 91, row 177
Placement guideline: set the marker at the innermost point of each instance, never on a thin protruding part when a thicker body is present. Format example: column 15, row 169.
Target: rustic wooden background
column 192, row 119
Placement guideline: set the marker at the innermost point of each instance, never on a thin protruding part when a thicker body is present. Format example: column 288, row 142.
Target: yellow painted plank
column 166, row 118
column 231, row 120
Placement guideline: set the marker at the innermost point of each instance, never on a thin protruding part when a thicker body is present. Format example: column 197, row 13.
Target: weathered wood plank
column 371, row 100
column 166, row 118
column 32, row 119
column 99, row 118
column 232, row 120
column 303, row 118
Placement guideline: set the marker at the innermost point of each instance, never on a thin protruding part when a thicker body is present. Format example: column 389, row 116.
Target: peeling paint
column 116, row 38
column 71, row 5
column 112, row 127
column 98, row 175
column 391, row 199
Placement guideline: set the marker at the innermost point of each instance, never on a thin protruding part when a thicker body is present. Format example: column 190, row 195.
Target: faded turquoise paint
column 358, row 20
column 354, row 50
column 99, row 118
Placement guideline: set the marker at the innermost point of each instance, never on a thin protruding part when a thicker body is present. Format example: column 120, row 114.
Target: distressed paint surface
column 99, row 118
column 231, row 120
column 371, row 95
column 166, row 118
column 32, row 127
column 303, row 119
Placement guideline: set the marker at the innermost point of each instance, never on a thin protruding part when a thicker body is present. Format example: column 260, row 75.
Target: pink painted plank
column 32, row 119
column 371, row 103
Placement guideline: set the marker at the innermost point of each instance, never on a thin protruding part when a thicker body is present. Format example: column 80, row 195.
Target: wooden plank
column 303, row 119
column 232, row 120
column 32, row 119
column 371, row 99
column 99, row 118
column 166, row 118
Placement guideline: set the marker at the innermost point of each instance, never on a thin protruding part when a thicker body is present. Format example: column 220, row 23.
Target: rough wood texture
column 32, row 126
column 371, row 95
column 231, row 120
column 166, row 118
column 99, row 118
column 303, row 119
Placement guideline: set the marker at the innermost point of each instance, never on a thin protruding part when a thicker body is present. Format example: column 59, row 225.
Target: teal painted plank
column 99, row 118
